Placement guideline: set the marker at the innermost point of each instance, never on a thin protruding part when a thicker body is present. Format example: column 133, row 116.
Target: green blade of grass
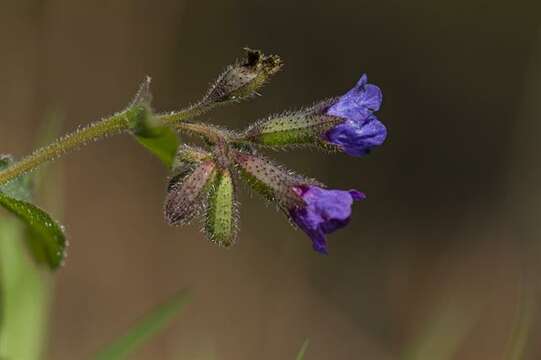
column 141, row 332
column 303, row 349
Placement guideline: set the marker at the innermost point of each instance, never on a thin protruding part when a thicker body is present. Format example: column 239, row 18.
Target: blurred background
column 441, row 262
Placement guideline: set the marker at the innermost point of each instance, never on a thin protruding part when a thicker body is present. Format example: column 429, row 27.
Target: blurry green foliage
column 141, row 332
column 302, row 351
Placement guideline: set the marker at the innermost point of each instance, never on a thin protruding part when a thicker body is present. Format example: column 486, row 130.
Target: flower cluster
column 204, row 179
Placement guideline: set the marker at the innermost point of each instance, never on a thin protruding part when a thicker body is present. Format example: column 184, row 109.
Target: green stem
column 113, row 125
column 209, row 132
column 189, row 113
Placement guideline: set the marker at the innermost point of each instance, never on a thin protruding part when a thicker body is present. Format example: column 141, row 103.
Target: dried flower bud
column 243, row 79
column 221, row 212
column 188, row 191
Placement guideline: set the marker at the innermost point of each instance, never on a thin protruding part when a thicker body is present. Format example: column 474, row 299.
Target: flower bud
column 187, row 192
column 243, row 79
column 221, row 212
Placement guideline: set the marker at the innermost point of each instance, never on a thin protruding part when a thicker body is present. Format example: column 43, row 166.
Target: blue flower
column 324, row 211
column 361, row 131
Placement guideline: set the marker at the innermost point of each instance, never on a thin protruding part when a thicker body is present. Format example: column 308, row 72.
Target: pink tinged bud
column 270, row 180
column 187, row 193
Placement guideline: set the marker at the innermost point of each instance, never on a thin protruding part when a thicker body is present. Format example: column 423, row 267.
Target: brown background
column 445, row 249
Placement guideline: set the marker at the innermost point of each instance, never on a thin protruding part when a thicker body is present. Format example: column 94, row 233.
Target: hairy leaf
column 159, row 140
column 48, row 240
column 45, row 236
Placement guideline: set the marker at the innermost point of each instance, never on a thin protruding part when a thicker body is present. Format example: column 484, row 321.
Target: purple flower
column 361, row 131
column 324, row 212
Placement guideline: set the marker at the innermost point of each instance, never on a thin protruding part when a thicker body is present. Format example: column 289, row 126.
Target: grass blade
column 302, row 351
column 141, row 332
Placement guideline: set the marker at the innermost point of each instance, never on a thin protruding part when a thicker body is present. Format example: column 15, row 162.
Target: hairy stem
column 211, row 133
column 188, row 113
column 113, row 125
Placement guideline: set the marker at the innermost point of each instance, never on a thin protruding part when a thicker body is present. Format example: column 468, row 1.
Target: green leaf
column 303, row 349
column 19, row 188
column 159, row 140
column 139, row 334
column 163, row 144
column 47, row 237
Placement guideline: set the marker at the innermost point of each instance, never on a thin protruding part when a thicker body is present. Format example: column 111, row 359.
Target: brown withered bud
column 187, row 193
column 243, row 79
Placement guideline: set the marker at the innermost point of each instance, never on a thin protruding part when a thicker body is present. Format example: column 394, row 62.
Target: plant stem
column 95, row 131
column 188, row 113
column 113, row 125
column 211, row 133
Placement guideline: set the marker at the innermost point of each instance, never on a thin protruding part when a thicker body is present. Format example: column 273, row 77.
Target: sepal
column 294, row 128
column 221, row 212
column 187, row 192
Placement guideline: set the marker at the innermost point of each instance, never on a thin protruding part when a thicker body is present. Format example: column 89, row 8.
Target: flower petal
column 325, row 211
column 358, row 138
column 359, row 102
